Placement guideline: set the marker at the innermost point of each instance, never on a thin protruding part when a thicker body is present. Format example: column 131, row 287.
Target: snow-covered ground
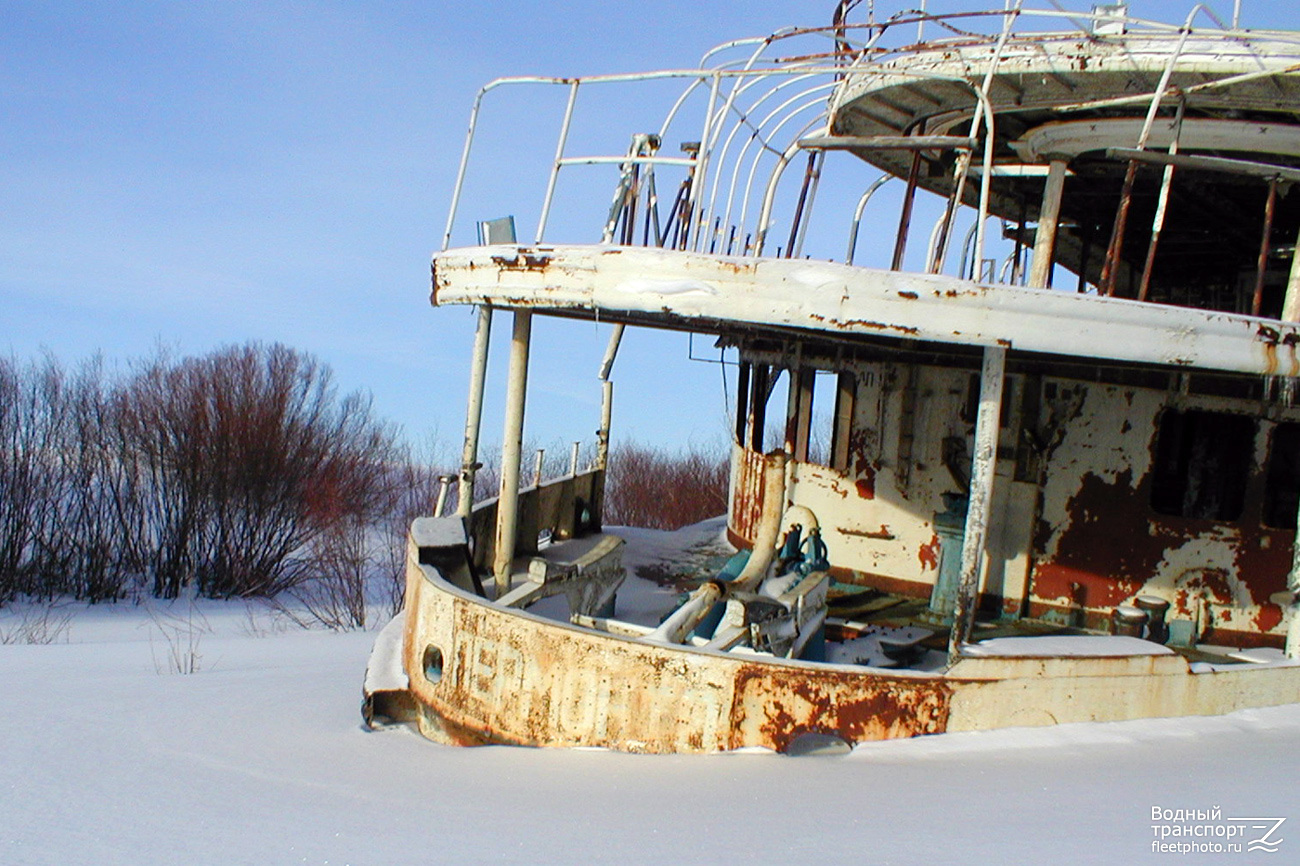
column 107, row 755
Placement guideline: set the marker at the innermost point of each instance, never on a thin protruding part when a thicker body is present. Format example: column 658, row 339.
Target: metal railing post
column 555, row 167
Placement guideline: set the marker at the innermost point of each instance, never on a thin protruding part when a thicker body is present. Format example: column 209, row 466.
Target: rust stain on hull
column 777, row 705
column 510, row 678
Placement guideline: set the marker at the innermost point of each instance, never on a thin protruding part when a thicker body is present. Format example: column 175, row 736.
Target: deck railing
column 557, row 509
column 754, row 105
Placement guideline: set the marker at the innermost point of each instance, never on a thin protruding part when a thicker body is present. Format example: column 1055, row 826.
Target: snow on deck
column 1069, row 646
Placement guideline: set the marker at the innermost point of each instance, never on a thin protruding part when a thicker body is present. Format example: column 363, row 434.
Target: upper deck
column 1100, row 187
column 733, row 295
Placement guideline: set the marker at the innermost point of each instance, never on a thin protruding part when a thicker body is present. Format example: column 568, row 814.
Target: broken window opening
column 846, row 388
column 1203, row 460
column 742, row 401
column 760, row 388
column 1282, row 487
column 819, row 420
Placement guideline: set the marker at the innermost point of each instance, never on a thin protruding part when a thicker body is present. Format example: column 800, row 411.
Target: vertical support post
column 793, row 394
column 474, row 414
column 940, row 250
column 573, row 458
column 1293, row 584
column 987, row 422
column 1270, row 207
column 742, row 402
column 758, row 393
column 1049, row 216
column 606, row 419
column 1018, row 256
column 1115, row 249
column 905, row 218
column 1085, row 241
column 842, row 426
column 444, row 481
column 1162, row 206
column 607, row 396
column 791, row 410
column 1291, row 303
column 805, row 384
column 537, row 467
column 512, row 441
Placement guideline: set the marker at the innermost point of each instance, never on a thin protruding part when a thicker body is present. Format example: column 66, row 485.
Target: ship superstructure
column 1023, row 431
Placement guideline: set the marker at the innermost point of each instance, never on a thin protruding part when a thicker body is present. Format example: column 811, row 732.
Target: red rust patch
column 855, row 707
column 866, row 485
column 1114, row 543
column 929, row 554
column 1269, row 617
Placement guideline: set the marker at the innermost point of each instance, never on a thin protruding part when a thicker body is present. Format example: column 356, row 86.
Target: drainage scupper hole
column 432, row 663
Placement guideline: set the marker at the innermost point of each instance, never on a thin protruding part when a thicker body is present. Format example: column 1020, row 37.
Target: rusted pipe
column 799, row 206
column 1270, row 207
column 938, row 251
column 680, row 623
column 905, row 218
column 1115, row 249
column 769, row 523
column 812, row 197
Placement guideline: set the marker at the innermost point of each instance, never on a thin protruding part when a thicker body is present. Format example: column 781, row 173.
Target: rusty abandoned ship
column 1061, row 470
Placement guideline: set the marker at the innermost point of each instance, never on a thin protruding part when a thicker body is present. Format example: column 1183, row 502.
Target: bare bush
column 30, row 413
column 251, row 458
column 227, row 470
column 37, row 624
column 656, row 489
column 415, row 493
column 334, row 592
column 181, row 635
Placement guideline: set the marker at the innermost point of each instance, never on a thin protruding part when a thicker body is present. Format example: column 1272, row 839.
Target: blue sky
column 197, row 174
